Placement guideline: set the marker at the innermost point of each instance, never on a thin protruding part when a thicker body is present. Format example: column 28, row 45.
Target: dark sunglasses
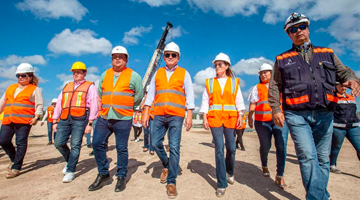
column 295, row 29
column 21, row 75
column 174, row 55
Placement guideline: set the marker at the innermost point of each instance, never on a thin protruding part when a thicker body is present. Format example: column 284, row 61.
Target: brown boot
column 9, row 167
column 266, row 171
column 279, row 180
column 13, row 173
column 164, row 175
column 171, row 191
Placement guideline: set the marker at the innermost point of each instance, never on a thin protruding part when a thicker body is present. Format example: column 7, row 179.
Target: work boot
column 49, row 143
column 91, row 153
column 99, row 182
column 171, row 191
column 220, row 192
column 279, row 180
column 12, row 173
column 9, row 167
column 120, row 185
column 164, row 175
column 266, row 171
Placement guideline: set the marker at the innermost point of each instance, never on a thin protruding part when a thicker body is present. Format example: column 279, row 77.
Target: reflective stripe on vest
column 19, row 109
column 117, row 96
column 222, row 109
column 170, row 95
column 74, row 100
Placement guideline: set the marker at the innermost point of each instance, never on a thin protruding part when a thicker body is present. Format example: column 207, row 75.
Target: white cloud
column 79, row 42
column 94, row 21
column 14, row 59
column 92, row 70
column 45, row 9
column 250, row 66
column 131, row 37
column 158, row 3
column 175, row 33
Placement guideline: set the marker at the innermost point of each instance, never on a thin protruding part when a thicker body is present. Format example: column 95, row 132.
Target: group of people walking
column 303, row 93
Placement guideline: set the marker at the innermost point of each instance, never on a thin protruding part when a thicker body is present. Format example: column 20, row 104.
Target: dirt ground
column 41, row 176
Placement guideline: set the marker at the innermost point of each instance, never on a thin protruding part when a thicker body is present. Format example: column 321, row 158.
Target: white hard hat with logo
column 265, row 67
column 119, row 50
column 295, row 18
column 172, row 47
column 222, row 57
column 25, row 68
column 54, row 100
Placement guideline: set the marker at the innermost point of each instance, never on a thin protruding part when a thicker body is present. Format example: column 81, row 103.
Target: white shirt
column 239, row 100
column 254, row 94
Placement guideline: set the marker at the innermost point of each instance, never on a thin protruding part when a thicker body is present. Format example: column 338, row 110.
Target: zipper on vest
column 315, row 86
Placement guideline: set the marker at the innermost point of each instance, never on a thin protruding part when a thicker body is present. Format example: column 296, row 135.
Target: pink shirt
column 91, row 102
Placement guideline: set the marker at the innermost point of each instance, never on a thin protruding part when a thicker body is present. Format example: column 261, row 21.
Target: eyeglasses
column 295, row 29
column 219, row 65
column 174, row 55
column 21, row 75
column 78, row 72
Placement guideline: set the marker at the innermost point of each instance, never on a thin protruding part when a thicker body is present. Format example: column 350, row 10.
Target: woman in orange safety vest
column 265, row 127
column 222, row 105
column 22, row 104
column 137, row 126
column 49, row 114
column 239, row 133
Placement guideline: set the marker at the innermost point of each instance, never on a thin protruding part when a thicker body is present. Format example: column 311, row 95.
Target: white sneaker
column 69, row 176
column 230, row 179
column 334, row 169
column 137, row 140
column 64, row 169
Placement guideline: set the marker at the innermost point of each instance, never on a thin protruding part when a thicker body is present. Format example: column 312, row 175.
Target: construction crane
column 156, row 58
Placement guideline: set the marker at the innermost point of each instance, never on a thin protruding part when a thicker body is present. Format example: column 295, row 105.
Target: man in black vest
column 306, row 76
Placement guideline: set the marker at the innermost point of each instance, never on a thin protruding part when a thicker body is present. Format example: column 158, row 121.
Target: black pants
column 240, row 133
column 137, row 131
column 21, row 140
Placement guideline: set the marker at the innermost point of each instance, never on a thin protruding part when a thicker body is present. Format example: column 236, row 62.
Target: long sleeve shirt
column 36, row 97
column 135, row 85
column 91, row 102
column 343, row 74
column 239, row 100
column 187, row 86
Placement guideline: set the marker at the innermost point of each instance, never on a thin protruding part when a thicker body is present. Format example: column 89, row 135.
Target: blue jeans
column 265, row 131
column 21, row 132
column 65, row 129
column 224, row 164
column 148, row 135
column 161, row 124
column 311, row 131
column 88, row 139
column 50, row 131
column 352, row 134
column 103, row 129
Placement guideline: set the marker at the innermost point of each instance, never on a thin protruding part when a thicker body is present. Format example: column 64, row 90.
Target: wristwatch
column 90, row 124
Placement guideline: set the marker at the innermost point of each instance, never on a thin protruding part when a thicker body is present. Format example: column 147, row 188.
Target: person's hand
column 354, row 86
column 188, row 122
column 33, row 121
column 239, row 121
column 42, row 123
column 279, row 119
column 145, row 120
column 88, row 129
column 54, row 128
column 206, row 124
column 251, row 122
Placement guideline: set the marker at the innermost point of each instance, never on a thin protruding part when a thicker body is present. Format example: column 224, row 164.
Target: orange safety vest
column 151, row 111
column 19, row 109
column 170, row 95
column 74, row 100
column 222, row 109
column 119, row 97
column 263, row 111
column 137, row 117
column 244, row 123
column 50, row 111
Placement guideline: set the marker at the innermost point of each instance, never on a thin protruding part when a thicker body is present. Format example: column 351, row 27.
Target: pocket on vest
column 296, row 97
column 329, row 95
column 293, row 76
column 329, row 73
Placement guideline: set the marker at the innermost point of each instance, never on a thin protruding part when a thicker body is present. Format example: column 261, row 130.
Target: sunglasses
column 174, row 55
column 219, row 65
column 21, row 75
column 295, row 29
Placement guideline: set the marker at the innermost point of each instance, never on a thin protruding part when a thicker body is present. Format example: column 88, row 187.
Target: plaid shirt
column 343, row 74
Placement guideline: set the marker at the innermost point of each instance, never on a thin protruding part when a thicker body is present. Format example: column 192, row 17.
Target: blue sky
column 53, row 34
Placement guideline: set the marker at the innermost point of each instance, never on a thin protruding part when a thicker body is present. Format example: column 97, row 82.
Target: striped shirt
column 343, row 74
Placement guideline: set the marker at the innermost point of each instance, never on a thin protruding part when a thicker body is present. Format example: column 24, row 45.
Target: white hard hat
column 25, row 68
column 54, row 100
column 147, row 88
column 265, row 67
column 295, row 18
column 222, row 57
column 172, row 47
column 120, row 50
